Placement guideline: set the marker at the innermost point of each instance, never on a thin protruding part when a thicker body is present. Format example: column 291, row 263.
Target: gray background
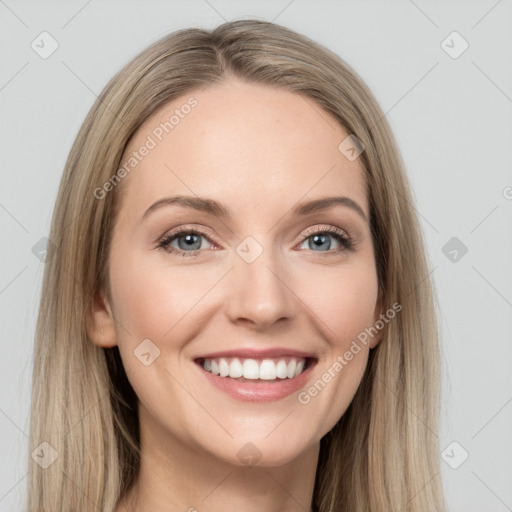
column 451, row 116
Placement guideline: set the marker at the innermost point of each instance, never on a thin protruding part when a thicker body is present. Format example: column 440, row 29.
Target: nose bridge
column 258, row 289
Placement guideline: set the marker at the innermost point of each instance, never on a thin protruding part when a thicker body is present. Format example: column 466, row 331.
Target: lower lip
column 270, row 391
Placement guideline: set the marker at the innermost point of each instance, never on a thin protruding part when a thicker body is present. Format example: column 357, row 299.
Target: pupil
column 190, row 241
column 319, row 239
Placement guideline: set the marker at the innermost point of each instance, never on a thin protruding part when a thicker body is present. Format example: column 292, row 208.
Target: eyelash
column 345, row 241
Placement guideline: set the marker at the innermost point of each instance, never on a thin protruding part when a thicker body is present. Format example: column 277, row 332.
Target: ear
column 100, row 322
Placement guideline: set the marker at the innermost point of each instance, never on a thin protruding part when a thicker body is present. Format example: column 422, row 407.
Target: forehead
column 248, row 144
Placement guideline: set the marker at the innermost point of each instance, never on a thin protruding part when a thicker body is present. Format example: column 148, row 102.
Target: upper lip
column 259, row 353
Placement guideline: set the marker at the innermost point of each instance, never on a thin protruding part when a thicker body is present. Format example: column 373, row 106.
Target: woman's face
column 245, row 264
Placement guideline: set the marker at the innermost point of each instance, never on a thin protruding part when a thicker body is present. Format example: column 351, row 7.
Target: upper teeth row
column 266, row 369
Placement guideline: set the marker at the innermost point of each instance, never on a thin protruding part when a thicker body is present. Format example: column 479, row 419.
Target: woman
column 238, row 313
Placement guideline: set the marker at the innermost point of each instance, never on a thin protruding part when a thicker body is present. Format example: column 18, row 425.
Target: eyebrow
column 215, row 208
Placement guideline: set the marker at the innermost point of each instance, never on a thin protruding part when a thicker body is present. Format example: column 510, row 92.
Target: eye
column 189, row 242
column 320, row 240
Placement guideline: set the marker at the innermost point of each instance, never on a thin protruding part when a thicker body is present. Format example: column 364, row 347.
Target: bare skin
column 259, row 151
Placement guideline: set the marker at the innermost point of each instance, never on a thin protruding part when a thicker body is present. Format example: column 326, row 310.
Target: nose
column 260, row 293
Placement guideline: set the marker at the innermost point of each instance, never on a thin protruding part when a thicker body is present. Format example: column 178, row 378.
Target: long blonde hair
column 383, row 454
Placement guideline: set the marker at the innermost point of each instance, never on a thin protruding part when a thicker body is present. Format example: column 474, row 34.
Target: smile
column 267, row 369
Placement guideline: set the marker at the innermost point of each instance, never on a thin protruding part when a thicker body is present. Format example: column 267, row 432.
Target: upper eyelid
column 180, row 231
column 332, row 230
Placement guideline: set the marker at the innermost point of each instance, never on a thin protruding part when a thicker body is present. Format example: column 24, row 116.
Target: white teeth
column 264, row 369
column 251, row 369
column 268, row 370
column 300, row 367
column 215, row 366
column 291, row 368
column 223, row 367
column 282, row 369
column 235, row 368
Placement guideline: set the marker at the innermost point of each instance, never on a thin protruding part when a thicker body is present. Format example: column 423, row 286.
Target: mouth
column 256, row 369
column 256, row 374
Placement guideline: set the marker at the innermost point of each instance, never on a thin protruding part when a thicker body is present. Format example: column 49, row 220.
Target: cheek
column 355, row 311
column 152, row 298
column 152, row 302
column 343, row 299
